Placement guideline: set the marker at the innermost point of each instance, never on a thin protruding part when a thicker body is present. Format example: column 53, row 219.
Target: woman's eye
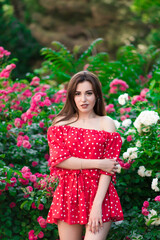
column 77, row 93
column 89, row 93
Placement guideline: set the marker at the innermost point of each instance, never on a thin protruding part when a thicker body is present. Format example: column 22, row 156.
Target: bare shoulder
column 57, row 119
column 108, row 124
column 60, row 118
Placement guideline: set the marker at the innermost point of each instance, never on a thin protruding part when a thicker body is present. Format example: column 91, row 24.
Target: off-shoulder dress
column 73, row 198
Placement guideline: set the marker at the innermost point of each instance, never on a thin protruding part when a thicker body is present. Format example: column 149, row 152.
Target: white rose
column 123, row 139
column 119, row 168
column 154, row 185
column 133, row 155
column 153, row 213
column 145, row 129
column 125, row 155
column 122, row 99
column 130, row 131
column 146, row 118
column 141, row 171
column 157, row 222
column 117, row 124
column 138, row 144
column 126, row 123
column 148, row 173
column 131, row 150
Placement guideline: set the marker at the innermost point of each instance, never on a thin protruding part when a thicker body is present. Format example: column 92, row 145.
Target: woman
column 84, row 148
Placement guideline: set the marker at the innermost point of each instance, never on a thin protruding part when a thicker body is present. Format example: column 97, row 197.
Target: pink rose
column 122, row 110
column 42, row 222
column 33, row 205
column 32, row 178
column 18, row 122
column 123, row 117
column 51, row 116
column 110, row 108
column 41, row 234
column 47, row 102
column 23, row 181
column 19, row 143
column 25, row 169
column 138, row 98
column 146, row 204
column 157, row 198
column 11, row 165
column 26, row 175
column 26, row 196
column 26, row 144
column 27, row 93
column 34, row 163
column 13, row 181
column 41, row 206
column 113, row 90
column 46, row 156
column 35, row 81
column 41, row 124
column 145, row 212
column 12, row 205
column 25, row 137
column 32, row 236
column 9, row 126
column 29, row 189
column 37, row 98
column 143, row 92
column 129, row 138
column 43, row 183
column 20, row 138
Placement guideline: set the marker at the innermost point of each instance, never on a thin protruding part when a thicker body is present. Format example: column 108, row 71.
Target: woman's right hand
column 108, row 165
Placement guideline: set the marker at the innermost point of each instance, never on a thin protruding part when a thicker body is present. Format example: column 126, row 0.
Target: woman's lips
column 84, row 105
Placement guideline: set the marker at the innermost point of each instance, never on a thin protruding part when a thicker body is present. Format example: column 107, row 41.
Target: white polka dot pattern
column 73, row 198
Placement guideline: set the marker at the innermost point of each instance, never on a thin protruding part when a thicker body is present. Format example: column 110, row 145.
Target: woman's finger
column 101, row 223
column 93, row 228
column 97, row 226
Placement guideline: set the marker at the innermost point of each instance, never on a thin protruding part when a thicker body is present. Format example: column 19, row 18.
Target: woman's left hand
column 95, row 218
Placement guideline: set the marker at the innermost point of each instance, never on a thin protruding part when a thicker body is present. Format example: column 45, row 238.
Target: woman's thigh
column 101, row 235
column 71, row 232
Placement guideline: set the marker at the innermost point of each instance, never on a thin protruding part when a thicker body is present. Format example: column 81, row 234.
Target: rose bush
column 27, row 108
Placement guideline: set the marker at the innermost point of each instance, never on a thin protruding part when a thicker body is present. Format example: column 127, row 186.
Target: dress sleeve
column 112, row 149
column 57, row 148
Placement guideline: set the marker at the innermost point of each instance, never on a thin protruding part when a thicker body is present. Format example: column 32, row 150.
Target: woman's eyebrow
column 85, row 91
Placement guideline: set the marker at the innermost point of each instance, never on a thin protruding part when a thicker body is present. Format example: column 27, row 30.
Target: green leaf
column 23, row 204
column 12, row 191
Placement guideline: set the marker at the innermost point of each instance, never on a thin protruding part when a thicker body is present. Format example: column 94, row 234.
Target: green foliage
column 15, row 37
column 61, row 64
column 149, row 13
column 34, row 105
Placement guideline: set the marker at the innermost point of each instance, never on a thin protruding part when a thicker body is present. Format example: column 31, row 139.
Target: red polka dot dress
column 73, row 198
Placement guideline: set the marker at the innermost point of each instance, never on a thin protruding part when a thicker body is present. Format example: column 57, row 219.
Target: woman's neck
column 88, row 116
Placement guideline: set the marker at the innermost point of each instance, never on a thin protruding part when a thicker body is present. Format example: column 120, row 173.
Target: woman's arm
column 95, row 217
column 73, row 163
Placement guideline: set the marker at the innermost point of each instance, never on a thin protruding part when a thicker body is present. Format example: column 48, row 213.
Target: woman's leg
column 71, row 232
column 101, row 235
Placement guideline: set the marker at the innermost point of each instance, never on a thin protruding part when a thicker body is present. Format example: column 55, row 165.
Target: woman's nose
column 83, row 97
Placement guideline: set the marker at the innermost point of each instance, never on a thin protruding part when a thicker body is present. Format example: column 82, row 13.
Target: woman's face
column 84, row 97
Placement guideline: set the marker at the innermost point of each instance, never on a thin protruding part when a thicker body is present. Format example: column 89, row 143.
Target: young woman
column 84, row 148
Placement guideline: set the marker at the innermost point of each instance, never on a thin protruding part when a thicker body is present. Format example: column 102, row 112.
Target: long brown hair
column 70, row 108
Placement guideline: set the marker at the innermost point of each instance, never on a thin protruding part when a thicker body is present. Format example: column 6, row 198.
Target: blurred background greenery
column 28, row 25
